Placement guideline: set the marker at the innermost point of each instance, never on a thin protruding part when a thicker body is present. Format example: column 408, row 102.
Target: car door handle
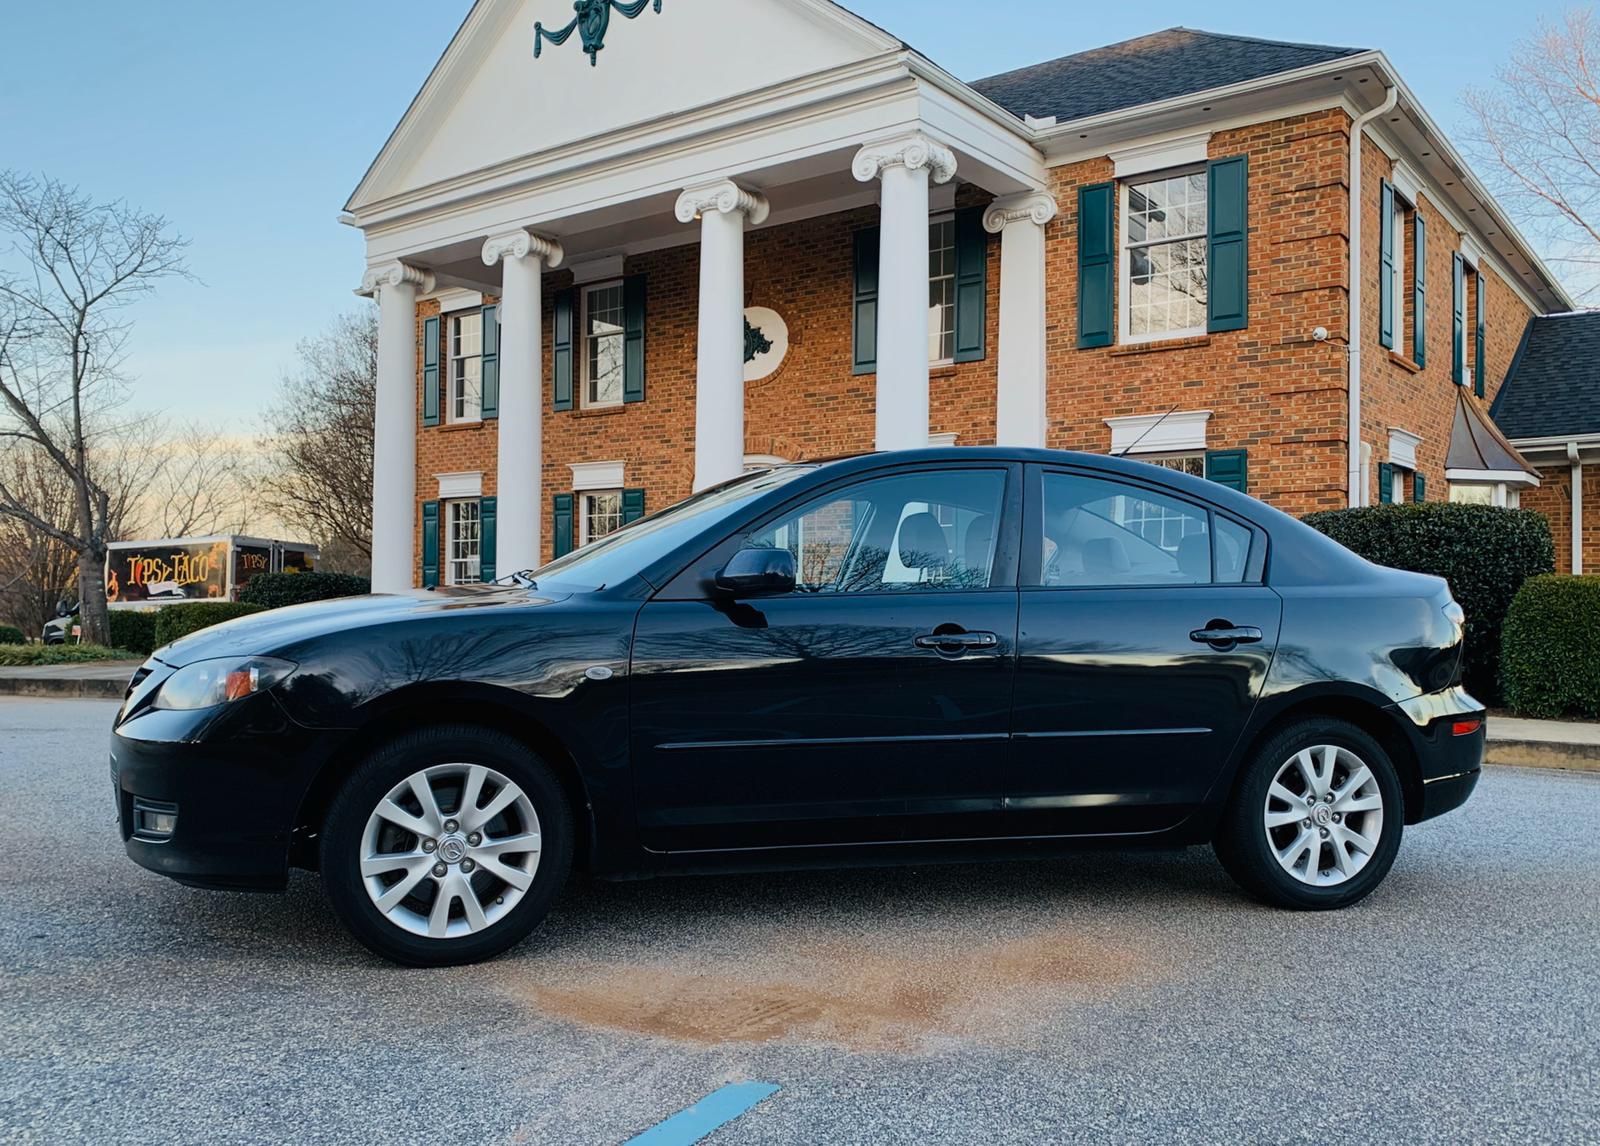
column 1226, row 636
column 957, row 642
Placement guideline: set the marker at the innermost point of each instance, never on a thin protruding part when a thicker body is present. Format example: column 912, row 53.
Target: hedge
column 1550, row 650
column 11, row 635
column 1483, row 551
column 134, row 629
column 180, row 620
column 275, row 590
column 13, row 655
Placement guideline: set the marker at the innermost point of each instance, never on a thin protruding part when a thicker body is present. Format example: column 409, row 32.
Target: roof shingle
column 1554, row 385
column 1162, row 65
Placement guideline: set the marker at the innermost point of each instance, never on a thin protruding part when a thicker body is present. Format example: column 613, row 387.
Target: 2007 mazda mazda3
column 919, row 655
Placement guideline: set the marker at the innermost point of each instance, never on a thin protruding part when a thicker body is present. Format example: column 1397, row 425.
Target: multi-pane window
column 1193, row 464
column 604, row 339
column 1105, row 533
column 942, row 290
column 466, row 367
column 463, row 538
column 601, row 514
column 1164, row 256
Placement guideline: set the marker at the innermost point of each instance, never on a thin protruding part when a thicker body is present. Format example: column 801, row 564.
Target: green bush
column 1484, row 551
column 16, row 655
column 275, row 590
column 1550, row 649
column 180, row 620
column 134, row 629
column 11, row 635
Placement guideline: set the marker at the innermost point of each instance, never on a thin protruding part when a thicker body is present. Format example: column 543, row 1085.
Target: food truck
column 146, row 574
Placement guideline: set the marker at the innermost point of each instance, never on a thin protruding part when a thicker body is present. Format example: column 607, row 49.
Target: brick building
column 618, row 269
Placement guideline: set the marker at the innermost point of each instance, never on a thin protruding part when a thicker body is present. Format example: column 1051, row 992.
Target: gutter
column 1357, row 488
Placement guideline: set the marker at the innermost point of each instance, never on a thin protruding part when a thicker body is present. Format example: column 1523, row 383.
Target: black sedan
column 916, row 656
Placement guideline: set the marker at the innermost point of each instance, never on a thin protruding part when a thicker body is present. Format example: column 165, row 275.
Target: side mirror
column 758, row 573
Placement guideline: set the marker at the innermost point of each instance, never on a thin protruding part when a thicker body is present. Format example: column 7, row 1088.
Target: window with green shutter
column 430, row 544
column 1386, row 256
column 1095, row 264
column 1419, row 488
column 488, row 528
column 562, row 350
column 1458, row 320
column 1227, row 244
column 491, row 362
column 633, row 322
column 561, row 523
column 632, row 505
column 972, row 284
column 1386, row 483
column 864, row 310
column 1480, row 378
column 430, row 371
column 1230, row 468
column 1419, row 290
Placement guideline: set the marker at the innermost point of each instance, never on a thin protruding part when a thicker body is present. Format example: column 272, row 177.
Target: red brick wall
column 1553, row 498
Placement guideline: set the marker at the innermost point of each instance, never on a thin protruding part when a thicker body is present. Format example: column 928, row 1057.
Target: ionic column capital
column 913, row 152
column 1037, row 207
column 725, row 196
column 395, row 274
column 519, row 244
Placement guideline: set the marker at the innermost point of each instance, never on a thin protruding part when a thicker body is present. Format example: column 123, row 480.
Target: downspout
column 1358, row 489
column 1575, row 461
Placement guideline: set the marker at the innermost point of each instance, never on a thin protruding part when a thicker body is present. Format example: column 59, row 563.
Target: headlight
column 207, row 683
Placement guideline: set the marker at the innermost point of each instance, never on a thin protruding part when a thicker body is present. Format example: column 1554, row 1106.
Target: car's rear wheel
column 1316, row 817
column 446, row 846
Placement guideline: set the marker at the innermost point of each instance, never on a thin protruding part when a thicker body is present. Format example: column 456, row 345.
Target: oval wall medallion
column 766, row 342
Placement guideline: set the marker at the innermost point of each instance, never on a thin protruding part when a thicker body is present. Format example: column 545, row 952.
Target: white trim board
column 588, row 476
column 453, row 487
column 1180, row 431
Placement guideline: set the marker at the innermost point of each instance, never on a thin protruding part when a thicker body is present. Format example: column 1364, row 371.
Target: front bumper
column 1450, row 762
column 234, row 777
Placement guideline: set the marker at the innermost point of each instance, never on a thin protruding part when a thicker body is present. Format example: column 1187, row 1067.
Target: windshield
column 635, row 547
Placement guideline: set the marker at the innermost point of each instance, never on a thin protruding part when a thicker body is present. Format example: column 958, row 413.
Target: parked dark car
column 920, row 655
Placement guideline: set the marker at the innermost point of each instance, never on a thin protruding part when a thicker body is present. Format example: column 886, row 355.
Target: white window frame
column 585, row 292
column 1125, row 259
column 473, row 414
column 941, row 359
column 585, row 497
column 472, row 564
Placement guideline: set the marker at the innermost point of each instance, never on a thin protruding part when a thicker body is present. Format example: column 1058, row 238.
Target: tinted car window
column 1233, row 551
column 1104, row 533
column 909, row 532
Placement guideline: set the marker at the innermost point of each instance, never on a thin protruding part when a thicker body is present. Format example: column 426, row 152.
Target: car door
column 1144, row 639
column 871, row 703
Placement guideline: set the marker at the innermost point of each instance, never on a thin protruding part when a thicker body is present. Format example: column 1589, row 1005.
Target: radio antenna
column 1147, row 430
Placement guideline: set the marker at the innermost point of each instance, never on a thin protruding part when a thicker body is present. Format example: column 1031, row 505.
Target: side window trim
column 1031, row 553
column 694, row 581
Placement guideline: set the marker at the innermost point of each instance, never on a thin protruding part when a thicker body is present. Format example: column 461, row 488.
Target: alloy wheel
column 450, row 851
column 1324, row 815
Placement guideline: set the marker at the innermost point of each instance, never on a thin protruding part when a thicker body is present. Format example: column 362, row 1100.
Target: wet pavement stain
column 842, row 993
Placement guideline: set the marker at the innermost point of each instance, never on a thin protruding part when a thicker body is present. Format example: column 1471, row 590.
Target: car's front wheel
column 446, row 846
column 1315, row 819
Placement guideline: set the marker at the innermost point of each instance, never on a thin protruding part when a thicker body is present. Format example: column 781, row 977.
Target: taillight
column 1465, row 727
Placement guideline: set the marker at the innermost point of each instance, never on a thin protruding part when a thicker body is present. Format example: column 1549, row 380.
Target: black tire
column 1242, row 842
column 375, row 777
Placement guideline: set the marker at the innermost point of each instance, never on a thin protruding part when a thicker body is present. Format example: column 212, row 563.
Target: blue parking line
column 716, row 1109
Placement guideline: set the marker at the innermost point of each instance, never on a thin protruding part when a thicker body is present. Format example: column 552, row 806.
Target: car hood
column 277, row 629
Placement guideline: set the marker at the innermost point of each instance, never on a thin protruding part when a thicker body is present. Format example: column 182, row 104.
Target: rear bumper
column 1450, row 760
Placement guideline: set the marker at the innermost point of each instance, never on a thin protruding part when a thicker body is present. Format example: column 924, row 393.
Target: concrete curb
column 92, row 688
column 1544, row 754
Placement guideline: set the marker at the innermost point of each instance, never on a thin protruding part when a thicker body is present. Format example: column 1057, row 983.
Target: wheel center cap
column 452, row 849
column 1322, row 817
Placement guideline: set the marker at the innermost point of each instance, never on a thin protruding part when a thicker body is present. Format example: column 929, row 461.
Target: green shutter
column 1419, row 488
column 1385, row 483
column 632, row 505
column 864, row 314
column 491, row 362
column 430, row 544
column 1230, row 468
column 1096, row 265
column 1386, row 298
column 1458, row 320
column 487, row 529
column 633, row 309
column 1419, row 292
column 1480, row 380
column 430, row 371
column 972, row 284
column 561, row 524
column 1227, row 239
column 562, row 350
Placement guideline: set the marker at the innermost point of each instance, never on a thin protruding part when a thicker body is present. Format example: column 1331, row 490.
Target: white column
column 1576, row 463
column 722, row 208
column 519, row 485
column 1020, row 220
column 904, row 167
column 394, row 424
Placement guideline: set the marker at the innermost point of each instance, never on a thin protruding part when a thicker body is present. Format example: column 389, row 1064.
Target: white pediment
column 489, row 101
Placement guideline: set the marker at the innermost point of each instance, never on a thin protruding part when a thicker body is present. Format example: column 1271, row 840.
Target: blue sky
column 248, row 125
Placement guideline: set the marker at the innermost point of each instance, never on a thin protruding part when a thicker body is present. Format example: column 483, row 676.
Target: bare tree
column 197, row 484
column 1537, row 134
column 318, row 452
column 62, row 337
column 36, row 569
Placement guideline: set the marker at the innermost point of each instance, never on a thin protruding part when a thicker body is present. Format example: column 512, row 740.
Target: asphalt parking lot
column 1111, row 998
